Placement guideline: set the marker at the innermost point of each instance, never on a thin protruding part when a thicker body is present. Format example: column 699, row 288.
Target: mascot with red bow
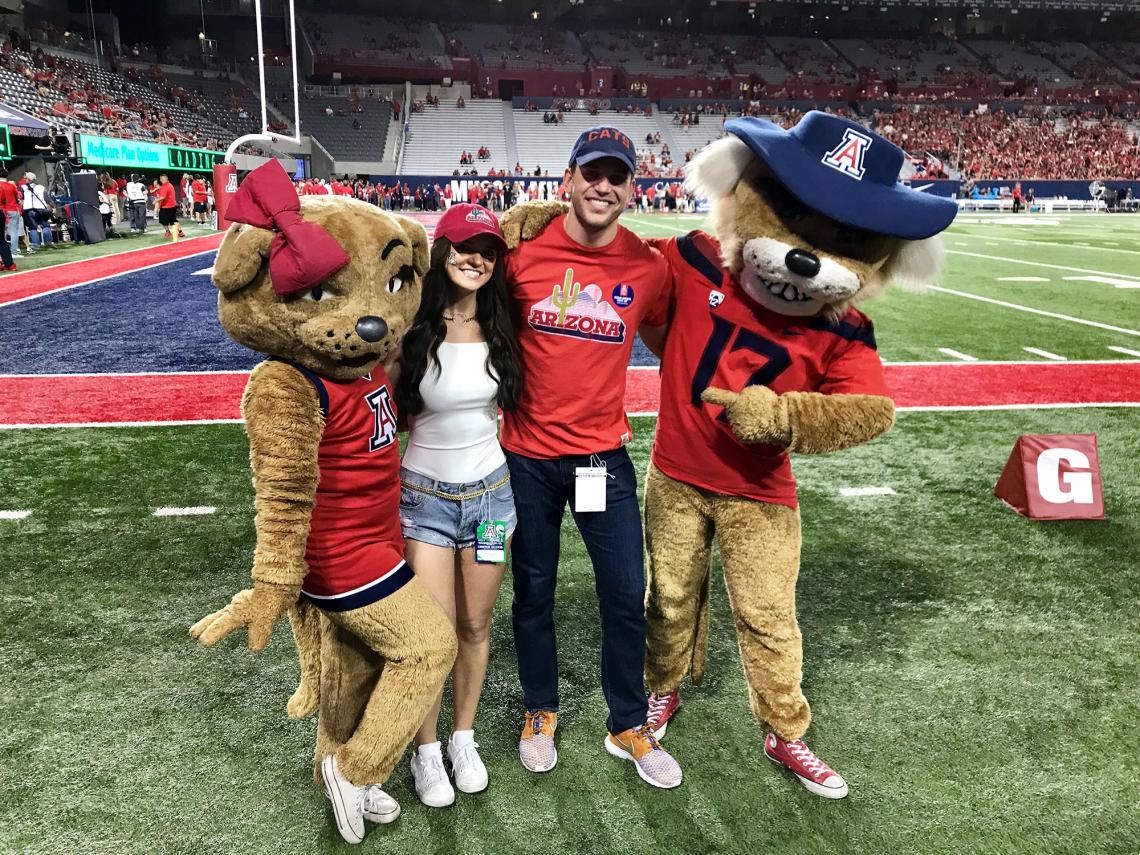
column 326, row 286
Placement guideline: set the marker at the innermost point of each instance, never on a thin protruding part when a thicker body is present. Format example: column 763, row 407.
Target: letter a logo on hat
column 847, row 157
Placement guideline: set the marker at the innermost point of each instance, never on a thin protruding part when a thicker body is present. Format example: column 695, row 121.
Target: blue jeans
column 613, row 540
column 453, row 522
column 13, row 231
column 39, row 230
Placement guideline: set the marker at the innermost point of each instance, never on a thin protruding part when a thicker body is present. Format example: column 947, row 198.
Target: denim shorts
column 451, row 520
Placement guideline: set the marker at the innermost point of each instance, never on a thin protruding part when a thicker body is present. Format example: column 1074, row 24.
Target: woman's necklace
column 463, row 319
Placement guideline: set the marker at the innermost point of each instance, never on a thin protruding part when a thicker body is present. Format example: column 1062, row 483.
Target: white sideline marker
column 1125, row 351
column 201, row 510
column 14, row 515
column 1054, row 356
column 848, row 492
column 205, row 271
column 1105, row 280
column 1022, row 279
column 965, row 357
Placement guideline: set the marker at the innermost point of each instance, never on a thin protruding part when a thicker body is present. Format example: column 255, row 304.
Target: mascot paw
column 303, row 702
column 257, row 609
column 526, row 220
column 757, row 414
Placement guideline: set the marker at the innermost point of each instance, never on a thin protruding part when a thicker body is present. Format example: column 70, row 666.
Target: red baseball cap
column 464, row 221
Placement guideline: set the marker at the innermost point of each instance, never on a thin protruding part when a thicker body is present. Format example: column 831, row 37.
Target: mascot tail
column 305, row 619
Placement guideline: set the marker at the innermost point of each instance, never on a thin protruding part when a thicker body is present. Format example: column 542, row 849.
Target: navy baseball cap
column 602, row 141
column 846, row 172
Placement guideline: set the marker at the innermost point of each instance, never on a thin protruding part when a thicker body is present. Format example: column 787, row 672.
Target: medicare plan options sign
column 135, row 154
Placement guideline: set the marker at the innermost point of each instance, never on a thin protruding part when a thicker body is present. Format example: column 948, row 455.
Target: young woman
column 459, row 366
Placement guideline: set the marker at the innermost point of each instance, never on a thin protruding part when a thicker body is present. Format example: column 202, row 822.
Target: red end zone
column 43, row 400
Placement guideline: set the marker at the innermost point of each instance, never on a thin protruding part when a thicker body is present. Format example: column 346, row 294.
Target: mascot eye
column 405, row 274
column 316, row 294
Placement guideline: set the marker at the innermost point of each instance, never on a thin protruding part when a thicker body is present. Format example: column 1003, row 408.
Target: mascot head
column 328, row 282
column 814, row 219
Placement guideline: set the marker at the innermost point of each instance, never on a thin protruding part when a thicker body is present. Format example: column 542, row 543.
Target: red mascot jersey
column 355, row 550
column 719, row 336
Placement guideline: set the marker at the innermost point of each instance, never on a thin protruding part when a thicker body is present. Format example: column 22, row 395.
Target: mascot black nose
column 802, row 262
column 371, row 328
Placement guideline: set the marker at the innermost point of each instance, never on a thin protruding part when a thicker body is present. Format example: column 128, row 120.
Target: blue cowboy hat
column 847, row 172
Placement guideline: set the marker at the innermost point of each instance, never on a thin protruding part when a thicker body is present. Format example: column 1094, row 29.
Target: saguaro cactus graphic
column 565, row 295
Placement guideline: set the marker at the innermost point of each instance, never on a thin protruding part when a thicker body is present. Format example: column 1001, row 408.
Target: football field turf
column 974, row 675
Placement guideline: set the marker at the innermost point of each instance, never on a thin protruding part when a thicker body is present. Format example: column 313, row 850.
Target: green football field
column 973, row 674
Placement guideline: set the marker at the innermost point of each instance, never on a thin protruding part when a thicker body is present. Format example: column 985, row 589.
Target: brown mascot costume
column 766, row 355
column 326, row 287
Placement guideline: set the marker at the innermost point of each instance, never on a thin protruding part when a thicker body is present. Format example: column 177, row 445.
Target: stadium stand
column 812, row 59
column 655, row 53
column 406, row 41
column 548, row 145
column 752, row 55
column 908, row 61
column 352, row 129
column 440, row 134
column 1020, row 62
column 498, row 46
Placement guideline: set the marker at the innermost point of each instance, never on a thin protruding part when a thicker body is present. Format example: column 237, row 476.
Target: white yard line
column 1033, row 311
column 1040, row 264
column 14, row 515
column 1104, row 280
column 196, row 511
column 965, row 357
column 7, row 303
column 1055, row 357
column 1022, row 279
column 866, row 491
column 1125, row 351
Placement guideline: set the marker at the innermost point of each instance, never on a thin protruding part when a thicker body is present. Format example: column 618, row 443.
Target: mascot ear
column 421, row 252
column 915, row 264
column 717, row 168
column 243, row 251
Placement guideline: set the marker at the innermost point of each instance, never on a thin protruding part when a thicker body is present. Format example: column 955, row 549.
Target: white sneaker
column 432, row 786
column 467, row 766
column 379, row 806
column 347, row 801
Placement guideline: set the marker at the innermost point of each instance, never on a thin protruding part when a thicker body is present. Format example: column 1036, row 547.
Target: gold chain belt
column 457, row 497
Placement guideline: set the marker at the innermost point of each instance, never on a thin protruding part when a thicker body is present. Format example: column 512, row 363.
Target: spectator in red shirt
column 198, row 192
column 10, row 205
column 166, row 204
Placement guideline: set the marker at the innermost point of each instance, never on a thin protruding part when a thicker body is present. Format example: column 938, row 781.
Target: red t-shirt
column 9, row 197
column 198, row 188
column 731, row 342
column 575, row 353
column 164, row 194
column 355, row 550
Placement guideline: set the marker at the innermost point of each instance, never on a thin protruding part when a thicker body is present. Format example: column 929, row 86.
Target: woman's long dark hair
column 428, row 330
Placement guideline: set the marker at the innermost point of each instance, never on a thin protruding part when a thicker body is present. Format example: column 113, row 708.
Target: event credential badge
column 491, row 542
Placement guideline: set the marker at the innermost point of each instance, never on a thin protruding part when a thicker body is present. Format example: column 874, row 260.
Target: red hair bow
column 302, row 254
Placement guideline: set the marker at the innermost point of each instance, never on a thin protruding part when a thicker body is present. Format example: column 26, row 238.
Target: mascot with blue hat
column 764, row 355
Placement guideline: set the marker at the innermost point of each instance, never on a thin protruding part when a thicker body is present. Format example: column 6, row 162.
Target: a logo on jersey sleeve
column 578, row 312
column 715, row 298
column 847, row 157
column 384, row 426
column 622, row 295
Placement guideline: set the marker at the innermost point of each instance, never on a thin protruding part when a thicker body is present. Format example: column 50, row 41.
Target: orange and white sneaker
column 662, row 705
column 816, row 776
column 655, row 765
column 536, row 745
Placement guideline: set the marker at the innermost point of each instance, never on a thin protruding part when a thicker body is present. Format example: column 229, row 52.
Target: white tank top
column 455, row 438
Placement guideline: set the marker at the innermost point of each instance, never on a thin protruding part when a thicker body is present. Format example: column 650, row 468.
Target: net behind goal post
column 225, row 173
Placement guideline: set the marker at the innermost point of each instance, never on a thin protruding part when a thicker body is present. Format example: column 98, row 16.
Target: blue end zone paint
column 161, row 319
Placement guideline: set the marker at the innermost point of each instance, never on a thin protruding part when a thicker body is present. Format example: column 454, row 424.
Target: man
column 10, row 205
column 575, row 343
column 166, row 205
column 198, row 192
column 36, row 213
column 136, row 204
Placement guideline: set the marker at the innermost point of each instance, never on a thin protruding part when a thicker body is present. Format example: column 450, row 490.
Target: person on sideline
column 166, row 205
column 136, row 201
column 565, row 444
column 10, row 205
column 37, row 213
column 460, row 364
column 198, row 193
